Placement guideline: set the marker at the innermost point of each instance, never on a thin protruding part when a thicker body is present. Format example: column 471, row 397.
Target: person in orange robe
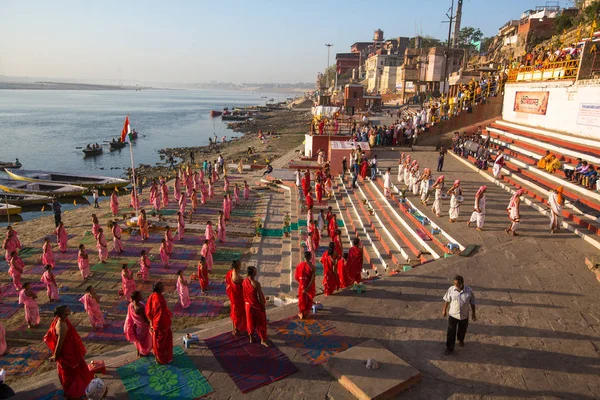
column 254, row 299
column 355, row 261
column 305, row 276
column 332, row 227
column 68, row 351
column 331, row 282
column 364, row 166
column 309, row 199
column 143, row 224
column 159, row 315
column 203, row 274
column 305, row 184
column 319, row 190
column 337, row 242
column 235, row 292
column 342, row 268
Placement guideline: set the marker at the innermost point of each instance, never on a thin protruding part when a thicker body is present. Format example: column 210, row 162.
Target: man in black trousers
column 458, row 300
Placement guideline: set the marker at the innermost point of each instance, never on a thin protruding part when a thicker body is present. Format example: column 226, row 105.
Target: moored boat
column 214, row 113
column 42, row 188
column 117, row 145
column 9, row 209
column 92, row 152
column 88, row 181
column 24, row 200
column 11, row 165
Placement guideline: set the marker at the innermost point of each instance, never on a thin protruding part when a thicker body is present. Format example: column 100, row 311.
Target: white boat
column 9, row 209
column 24, row 200
column 88, row 181
column 42, row 188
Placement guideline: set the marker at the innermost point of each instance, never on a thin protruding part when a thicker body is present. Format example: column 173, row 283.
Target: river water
column 44, row 128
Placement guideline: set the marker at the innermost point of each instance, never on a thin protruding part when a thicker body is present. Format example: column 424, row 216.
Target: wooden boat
column 42, row 188
column 24, row 200
column 9, row 209
column 11, row 165
column 92, row 152
column 87, row 181
column 214, row 113
column 117, row 145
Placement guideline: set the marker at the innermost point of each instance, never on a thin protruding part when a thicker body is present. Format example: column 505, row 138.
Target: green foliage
column 592, row 11
column 328, row 77
column 427, row 42
column 562, row 23
column 467, row 35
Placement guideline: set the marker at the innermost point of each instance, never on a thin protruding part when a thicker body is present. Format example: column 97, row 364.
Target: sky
column 190, row 41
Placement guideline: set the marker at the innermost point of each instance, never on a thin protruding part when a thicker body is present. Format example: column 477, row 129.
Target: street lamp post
column 327, row 70
column 447, row 52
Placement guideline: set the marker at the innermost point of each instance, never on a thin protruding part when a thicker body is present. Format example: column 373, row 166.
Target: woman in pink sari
column 236, row 195
column 226, row 184
column 194, row 199
column 28, row 298
column 116, row 232
column 135, row 201
column 114, row 203
column 91, row 303
column 137, row 326
column 9, row 247
column 164, row 254
column 83, row 262
column 203, row 274
column 182, row 202
column 16, row 267
column 209, row 235
column 183, row 290
column 246, row 191
column 164, row 191
column 180, row 225
column 211, row 189
column 127, row 282
column 61, row 237
column 155, row 200
column 229, row 207
column 224, row 211
column 102, row 246
column 95, row 225
column 207, row 254
column 221, row 228
column 47, row 254
column 169, row 240
column 50, row 280
column 144, row 266
column 202, row 196
column 177, row 188
column 143, row 225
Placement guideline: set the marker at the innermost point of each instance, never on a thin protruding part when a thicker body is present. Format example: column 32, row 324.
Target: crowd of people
column 583, row 173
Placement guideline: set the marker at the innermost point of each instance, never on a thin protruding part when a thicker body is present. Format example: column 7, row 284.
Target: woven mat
column 69, row 299
column 226, row 255
column 8, row 309
column 112, row 331
column 199, row 308
column 144, row 379
column 215, row 289
column 24, row 361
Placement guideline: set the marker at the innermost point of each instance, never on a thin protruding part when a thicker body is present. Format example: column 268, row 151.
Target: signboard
column 410, row 86
column 531, row 102
column 588, row 114
column 349, row 145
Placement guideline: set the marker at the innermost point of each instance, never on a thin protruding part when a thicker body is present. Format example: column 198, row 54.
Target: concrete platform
column 393, row 376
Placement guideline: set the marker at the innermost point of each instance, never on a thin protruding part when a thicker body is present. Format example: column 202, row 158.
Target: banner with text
column 531, row 102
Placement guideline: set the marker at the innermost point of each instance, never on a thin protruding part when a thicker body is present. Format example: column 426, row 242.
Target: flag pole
column 133, row 171
column 7, row 212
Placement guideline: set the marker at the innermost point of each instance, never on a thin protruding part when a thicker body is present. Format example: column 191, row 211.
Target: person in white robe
column 556, row 203
column 454, row 192
column 478, row 214
column 438, row 187
column 514, row 213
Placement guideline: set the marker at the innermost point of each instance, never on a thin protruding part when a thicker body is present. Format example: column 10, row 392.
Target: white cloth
column 555, row 209
column 425, row 189
column 437, row 203
column 498, row 165
column 415, row 184
column 454, row 210
column 387, row 180
column 479, row 217
column 460, row 302
column 401, row 173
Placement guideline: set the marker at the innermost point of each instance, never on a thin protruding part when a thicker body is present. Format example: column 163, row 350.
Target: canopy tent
column 325, row 111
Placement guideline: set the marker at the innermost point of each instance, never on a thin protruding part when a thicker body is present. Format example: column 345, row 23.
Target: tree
column 467, row 36
column 328, row 77
column 426, row 42
column 563, row 23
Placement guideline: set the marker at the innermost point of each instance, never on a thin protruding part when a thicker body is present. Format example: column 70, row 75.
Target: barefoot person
column 454, row 192
column 235, row 292
column 114, row 204
column 102, row 246
column 159, row 316
column 203, row 275
column 68, row 351
column 116, row 232
column 137, row 326
column 354, row 265
column 305, row 276
column 438, row 186
column 61, row 237
column 256, row 316
column 331, row 282
column 91, row 303
column 479, row 209
column 183, row 290
column 556, row 202
column 83, row 262
column 144, row 272
column 15, row 270
column 514, row 214
column 47, row 254
column 127, row 282
column 28, row 298
column 457, row 301
column 50, row 281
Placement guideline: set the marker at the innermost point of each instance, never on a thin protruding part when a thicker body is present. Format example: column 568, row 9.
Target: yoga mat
column 243, row 213
column 57, row 394
column 191, row 240
column 167, row 211
column 250, row 366
column 271, row 232
column 157, row 268
column 40, row 269
column 9, row 289
column 137, row 239
column 314, row 340
column 29, row 251
column 52, row 239
column 111, row 266
column 22, row 361
column 226, row 255
column 112, row 331
column 132, row 251
column 215, row 288
column 69, row 299
column 7, row 309
column 199, row 308
column 3, row 266
column 184, row 254
column 71, row 254
column 120, row 308
column 144, row 379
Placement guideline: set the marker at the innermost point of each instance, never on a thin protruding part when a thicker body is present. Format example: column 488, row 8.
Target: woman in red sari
column 342, row 270
column 331, row 282
column 319, row 190
column 364, row 166
column 355, row 262
column 235, row 292
column 159, row 316
column 68, row 351
column 305, row 276
column 256, row 316
column 332, row 226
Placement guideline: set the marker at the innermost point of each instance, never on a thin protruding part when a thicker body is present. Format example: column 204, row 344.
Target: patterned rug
column 144, row 379
column 138, row 239
column 314, row 340
column 57, row 394
column 224, row 255
column 157, row 268
column 120, row 308
column 112, row 331
column 184, row 254
column 8, row 309
column 40, row 269
column 29, row 251
column 9, row 290
column 112, row 266
column 21, row 361
column 131, row 251
column 250, row 366
column 215, row 289
column 199, row 308
column 69, row 299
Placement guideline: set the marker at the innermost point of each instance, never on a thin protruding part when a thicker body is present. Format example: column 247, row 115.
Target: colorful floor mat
column 184, row 254
column 57, row 394
column 29, row 251
column 120, row 308
column 21, row 361
column 243, row 213
column 112, row 266
column 250, row 366
column 131, row 251
column 112, row 331
column 168, row 211
column 314, row 340
column 8, row 309
column 10, row 291
column 224, row 255
column 144, row 379
column 271, row 232
column 199, row 308
column 138, row 240
column 215, row 288
column 69, row 299
column 157, row 268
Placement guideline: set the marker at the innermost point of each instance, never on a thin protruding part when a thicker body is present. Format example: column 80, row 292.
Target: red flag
column 126, row 129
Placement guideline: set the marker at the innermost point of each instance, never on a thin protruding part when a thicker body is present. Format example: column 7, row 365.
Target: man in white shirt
column 298, row 178
column 457, row 302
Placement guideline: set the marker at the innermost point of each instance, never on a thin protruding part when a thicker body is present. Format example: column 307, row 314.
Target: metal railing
column 548, row 71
